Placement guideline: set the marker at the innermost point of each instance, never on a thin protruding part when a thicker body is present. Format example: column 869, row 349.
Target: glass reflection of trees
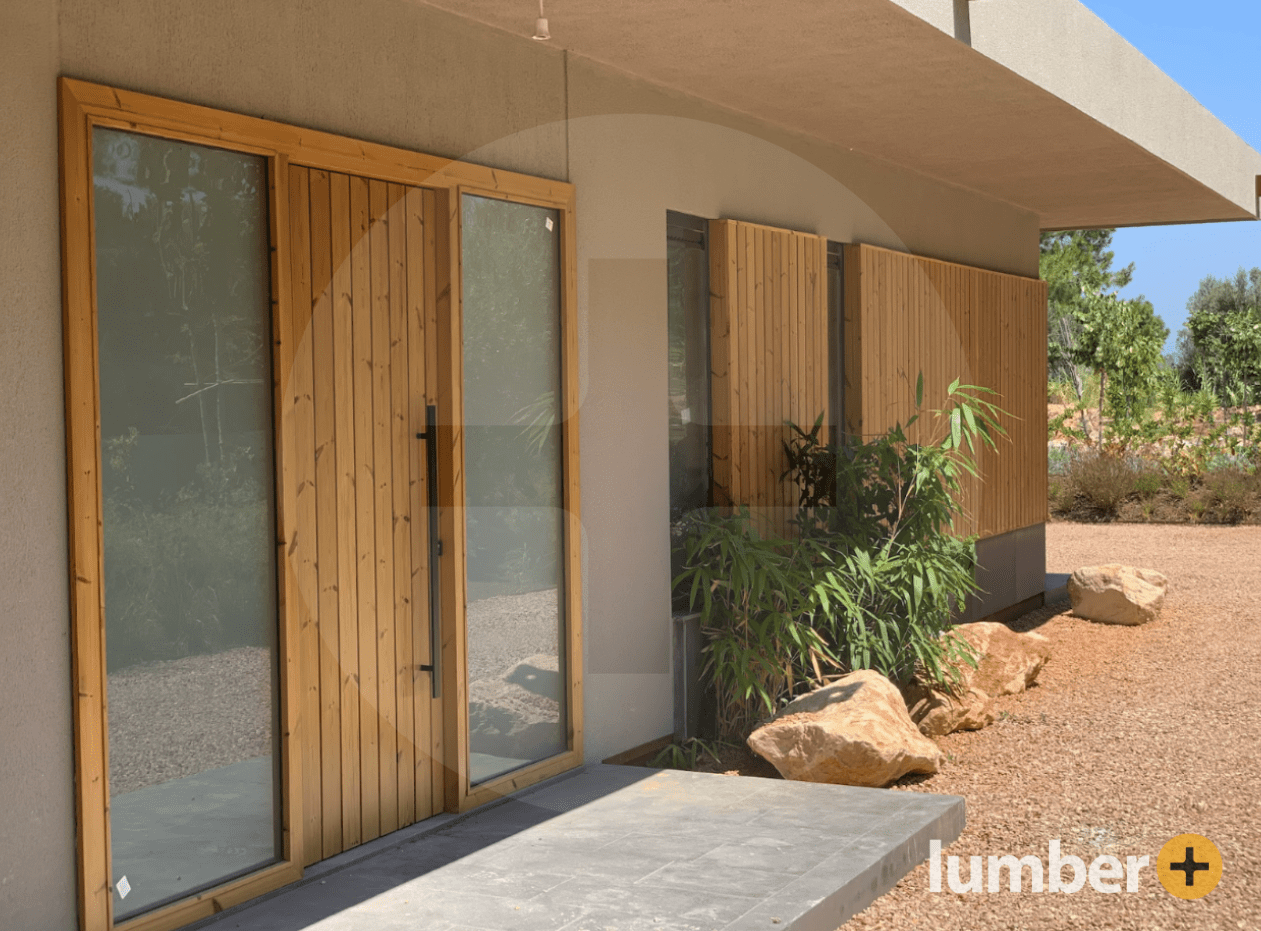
column 183, row 316
column 513, row 472
column 512, row 380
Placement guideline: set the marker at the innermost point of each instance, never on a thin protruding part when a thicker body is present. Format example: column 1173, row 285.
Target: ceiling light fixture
column 540, row 25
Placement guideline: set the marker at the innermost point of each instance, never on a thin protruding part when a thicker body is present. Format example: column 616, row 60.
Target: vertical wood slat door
column 769, row 357
column 364, row 313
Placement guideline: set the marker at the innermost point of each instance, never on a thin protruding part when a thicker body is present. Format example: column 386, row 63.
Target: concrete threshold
column 622, row 848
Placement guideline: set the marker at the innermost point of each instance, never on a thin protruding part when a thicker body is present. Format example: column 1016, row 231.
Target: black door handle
column 430, row 436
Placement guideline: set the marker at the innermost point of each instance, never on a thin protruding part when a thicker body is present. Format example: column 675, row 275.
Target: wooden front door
column 362, row 276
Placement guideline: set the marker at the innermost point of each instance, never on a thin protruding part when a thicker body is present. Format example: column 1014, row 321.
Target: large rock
column 854, row 732
column 1117, row 594
column 1008, row 663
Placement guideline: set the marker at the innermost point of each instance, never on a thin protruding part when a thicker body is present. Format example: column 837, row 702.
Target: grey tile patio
column 618, row 848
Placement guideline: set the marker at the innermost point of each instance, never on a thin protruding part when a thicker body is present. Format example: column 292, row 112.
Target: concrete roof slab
column 1048, row 109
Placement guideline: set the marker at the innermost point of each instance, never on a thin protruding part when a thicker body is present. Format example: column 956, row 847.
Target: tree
column 1075, row 264
column 1220, row 346
column 1122, row 341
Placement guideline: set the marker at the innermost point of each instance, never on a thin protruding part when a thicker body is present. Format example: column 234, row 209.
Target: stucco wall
column 388, row 71
column 36, row 815
column 36, row 811
column 399, row 72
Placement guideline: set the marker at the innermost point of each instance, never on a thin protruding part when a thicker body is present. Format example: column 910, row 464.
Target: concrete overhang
column 1047, row 108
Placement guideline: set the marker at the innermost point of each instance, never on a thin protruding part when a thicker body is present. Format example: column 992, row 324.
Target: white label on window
column 549, row 223
column 123, row 887
column 685, row 415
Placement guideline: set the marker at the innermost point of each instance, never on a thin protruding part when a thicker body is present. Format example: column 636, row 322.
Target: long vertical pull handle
column 430, row 436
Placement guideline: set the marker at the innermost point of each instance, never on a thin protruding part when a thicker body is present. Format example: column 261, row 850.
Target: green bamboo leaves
column 871, row 580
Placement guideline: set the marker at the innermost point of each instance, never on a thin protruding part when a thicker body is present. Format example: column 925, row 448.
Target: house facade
column 359, row 357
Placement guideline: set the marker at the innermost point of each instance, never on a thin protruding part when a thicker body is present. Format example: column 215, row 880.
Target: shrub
column 190, row 572
column 1147, row 482
column 870, row 581
column 1058, row 459
column 1060, row 494
column 1061, row 391
column 1229, row 495
column 1102, row 480
column 757, row 614
column 687, row 754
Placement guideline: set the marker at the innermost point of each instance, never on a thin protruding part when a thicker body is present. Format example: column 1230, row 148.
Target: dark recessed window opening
column 687, row 252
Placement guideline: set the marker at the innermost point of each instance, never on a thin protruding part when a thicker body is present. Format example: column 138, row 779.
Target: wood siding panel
column 365, row 511
column 347, row 579
column 382, row 476
column 906, row 314
column 358, row 250
column 302, row 547
column 401, row 444
column 436, row 244
column 326, row 511
column 419, row 281
column 769, row 358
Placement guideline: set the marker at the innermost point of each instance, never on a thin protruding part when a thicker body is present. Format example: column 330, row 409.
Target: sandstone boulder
column 1008, row 663
column 855, row 732
column 1117, row 594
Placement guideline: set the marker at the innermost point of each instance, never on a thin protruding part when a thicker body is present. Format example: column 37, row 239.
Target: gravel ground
column 505, row 629
column 175, row 718
column 179, row 717
column 1130, row 737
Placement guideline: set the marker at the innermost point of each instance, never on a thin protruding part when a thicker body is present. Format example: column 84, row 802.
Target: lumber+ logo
column 1189, row 866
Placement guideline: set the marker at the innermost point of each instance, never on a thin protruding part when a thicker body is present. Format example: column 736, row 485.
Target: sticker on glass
column 123, row 887
column 549, row 223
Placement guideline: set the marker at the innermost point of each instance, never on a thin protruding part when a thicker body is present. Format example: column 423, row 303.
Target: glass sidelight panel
column 183, row 303
column 513, row 474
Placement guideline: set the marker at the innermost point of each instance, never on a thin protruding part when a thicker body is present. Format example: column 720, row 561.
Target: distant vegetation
column 1142, row 435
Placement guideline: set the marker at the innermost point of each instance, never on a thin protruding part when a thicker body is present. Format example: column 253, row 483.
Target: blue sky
column 1210, row 48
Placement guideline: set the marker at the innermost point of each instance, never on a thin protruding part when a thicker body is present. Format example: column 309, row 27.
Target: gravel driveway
column 1131, row 736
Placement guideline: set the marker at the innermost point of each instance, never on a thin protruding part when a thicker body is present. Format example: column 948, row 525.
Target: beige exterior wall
column 398, row 72
column 36, row 810
column 388, row 71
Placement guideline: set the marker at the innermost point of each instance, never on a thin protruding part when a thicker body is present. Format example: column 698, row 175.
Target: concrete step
column 621, row 848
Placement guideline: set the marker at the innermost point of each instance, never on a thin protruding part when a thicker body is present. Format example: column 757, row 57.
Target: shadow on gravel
column 1035, row 619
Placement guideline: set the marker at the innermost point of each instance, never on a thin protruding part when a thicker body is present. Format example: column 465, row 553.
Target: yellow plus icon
column 1189, row 866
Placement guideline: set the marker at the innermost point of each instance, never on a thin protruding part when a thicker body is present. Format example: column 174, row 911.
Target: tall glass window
column 687, row 258
column 513, row 484
column 183, row 300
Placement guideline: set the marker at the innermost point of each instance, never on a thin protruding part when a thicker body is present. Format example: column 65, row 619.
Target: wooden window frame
column 83, row 106
column 462, row 795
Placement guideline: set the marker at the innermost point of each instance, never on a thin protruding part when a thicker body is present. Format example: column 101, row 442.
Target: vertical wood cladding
column 905, row 315
column 769, row 359
column 362, row 309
